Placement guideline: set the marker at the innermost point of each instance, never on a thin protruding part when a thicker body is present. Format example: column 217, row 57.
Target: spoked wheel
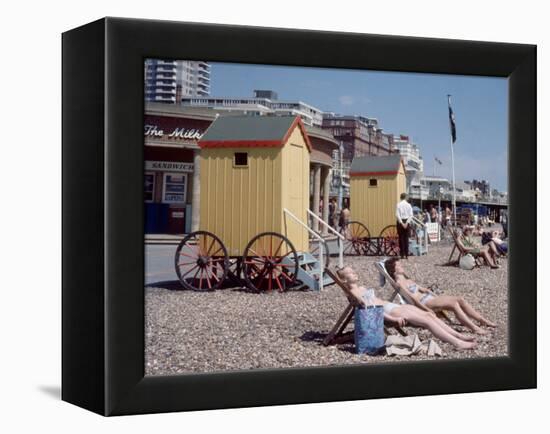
column 356, row 234
column 390, row 241
column 315, row 250
column 201, row 261
column 269, row 262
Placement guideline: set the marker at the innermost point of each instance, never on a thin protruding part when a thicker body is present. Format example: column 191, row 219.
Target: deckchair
column 460, row 249
column 408, row 298
column 337, row 334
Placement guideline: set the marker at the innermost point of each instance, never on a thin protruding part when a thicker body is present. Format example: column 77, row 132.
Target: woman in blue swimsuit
column 463, row 311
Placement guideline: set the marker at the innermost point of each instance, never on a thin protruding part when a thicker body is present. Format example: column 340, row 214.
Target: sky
column 404, row 103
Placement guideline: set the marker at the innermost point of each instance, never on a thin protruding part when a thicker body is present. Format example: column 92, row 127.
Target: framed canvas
column 105, row 356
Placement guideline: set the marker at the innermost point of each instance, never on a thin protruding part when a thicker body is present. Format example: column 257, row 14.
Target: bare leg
column 453, row 303
column 493, row 248
column 489, row 259
column 492, row 251
column 452, row 331
column 424, row 319
column 463, row 318
column 473, row 313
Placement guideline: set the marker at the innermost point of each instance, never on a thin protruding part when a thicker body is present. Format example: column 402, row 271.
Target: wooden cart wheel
column 390, row 241
column 201, row 261
column 356, row 235
column 316, row 251
column 269, row 262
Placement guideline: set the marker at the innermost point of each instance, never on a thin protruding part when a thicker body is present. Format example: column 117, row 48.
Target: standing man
column 433, row 214
column 332, row 213
column 504, row 222
column 448, row 214
column 344, row 218
column 404, row 213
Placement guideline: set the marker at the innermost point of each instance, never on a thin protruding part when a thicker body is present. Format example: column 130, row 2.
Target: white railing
column 421, row 224
column 340, row 238
column 315, row 235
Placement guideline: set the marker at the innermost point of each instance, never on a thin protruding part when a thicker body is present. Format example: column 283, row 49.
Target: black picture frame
column 103, row 216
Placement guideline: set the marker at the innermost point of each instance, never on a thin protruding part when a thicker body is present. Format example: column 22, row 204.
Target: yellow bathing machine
column 376, row 183
column 254, row 197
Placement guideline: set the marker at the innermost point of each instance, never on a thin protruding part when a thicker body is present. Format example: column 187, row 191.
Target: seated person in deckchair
column 502, row 246
column 463, row 311
column 488, row 252
column 403, row 314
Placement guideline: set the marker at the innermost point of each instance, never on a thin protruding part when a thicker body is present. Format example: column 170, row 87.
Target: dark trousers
column 403, row 240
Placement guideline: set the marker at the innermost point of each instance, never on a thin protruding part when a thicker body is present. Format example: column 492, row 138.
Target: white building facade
column 167, row 81
column 263, row 102
column 414, row 166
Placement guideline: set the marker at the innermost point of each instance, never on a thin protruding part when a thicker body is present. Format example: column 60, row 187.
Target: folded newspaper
column 409, row 345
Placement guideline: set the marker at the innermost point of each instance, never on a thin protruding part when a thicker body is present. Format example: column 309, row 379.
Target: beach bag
column 369, row 329
column 467, row 262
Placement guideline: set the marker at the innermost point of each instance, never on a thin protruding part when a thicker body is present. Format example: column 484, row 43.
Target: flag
column 438, row 161
column 452, row 119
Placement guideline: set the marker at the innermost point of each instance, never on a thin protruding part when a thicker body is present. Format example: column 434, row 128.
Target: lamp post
column 341, row 172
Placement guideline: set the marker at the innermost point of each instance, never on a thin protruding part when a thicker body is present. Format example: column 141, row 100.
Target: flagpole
column 452, row 158
column 454, row 189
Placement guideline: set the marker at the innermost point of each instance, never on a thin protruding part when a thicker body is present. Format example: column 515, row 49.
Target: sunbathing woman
column 461, row 308
column 488, row 252
column 402, row 314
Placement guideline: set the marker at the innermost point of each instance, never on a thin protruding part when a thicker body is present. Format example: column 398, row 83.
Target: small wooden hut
column 375, row 187
column 251, row 167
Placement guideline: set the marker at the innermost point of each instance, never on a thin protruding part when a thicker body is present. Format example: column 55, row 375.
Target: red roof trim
column 298, row 122
column 388, row 172
column 240, row 143
column 259, row 143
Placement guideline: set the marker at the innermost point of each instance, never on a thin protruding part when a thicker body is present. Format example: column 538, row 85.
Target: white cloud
column 346, row 100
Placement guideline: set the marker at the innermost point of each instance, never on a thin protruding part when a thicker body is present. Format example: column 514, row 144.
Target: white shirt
column 403, row 211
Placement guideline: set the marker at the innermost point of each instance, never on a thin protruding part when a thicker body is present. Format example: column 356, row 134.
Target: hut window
column 241, row 158
column 373, row 182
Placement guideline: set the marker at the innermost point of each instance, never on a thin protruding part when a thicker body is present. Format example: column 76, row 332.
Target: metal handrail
column 422, row 225
column 340, row 237
column 316, row 235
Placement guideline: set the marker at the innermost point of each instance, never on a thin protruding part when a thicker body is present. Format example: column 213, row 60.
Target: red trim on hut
column 240, row 143
column 259, row 143
column 390, row 172
column 298, row 121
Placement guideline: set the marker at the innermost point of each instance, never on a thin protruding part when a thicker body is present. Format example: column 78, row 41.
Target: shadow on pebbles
column 228, row 329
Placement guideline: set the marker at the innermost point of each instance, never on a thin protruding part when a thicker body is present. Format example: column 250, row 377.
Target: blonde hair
column 342, row 273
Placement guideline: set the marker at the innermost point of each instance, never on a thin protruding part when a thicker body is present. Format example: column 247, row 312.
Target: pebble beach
column 231, row 329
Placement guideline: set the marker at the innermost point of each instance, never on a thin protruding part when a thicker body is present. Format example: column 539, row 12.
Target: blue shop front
column 171, row 154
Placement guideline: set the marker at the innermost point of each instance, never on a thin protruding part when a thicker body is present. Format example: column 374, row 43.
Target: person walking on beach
column 404, row 214
column 332, row 213
column 433, row 214
column 344, row 218
column 504, row 223
column 447, row 216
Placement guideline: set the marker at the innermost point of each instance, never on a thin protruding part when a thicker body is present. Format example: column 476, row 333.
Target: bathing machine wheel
column 356, row 235
column 390, row 241
column 269, row 262
column 201, row 261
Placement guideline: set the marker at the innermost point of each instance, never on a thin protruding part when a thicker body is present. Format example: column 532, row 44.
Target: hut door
column 298, row 195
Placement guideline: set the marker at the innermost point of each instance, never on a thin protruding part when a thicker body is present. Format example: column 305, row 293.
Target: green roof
column 248, row 128
column 371, row 164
